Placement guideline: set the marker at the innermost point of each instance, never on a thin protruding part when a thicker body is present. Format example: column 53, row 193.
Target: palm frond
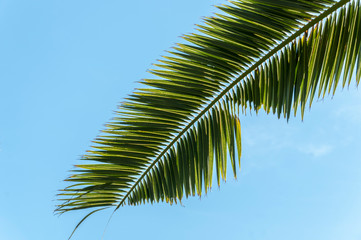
column 168, row 138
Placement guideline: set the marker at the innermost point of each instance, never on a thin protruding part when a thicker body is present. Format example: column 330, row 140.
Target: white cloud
column 351, row 108
column 316, row 150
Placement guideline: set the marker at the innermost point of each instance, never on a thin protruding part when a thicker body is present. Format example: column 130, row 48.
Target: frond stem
column 313, row 22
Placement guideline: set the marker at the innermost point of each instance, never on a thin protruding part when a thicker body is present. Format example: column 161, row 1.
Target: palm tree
column 168, row 138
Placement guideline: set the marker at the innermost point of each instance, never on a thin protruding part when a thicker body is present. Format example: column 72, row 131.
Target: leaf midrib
column 302, row 30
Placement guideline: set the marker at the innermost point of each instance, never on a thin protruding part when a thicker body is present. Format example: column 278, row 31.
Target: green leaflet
column 303, row 66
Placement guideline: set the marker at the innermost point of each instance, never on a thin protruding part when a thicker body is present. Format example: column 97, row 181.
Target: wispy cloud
column 286, row 139
column 351, row 110
column 316, row 150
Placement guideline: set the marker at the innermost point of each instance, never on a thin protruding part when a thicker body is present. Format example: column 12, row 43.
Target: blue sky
column 65, row 66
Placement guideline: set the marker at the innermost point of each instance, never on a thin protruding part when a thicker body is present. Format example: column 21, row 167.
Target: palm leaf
column 168, row 138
